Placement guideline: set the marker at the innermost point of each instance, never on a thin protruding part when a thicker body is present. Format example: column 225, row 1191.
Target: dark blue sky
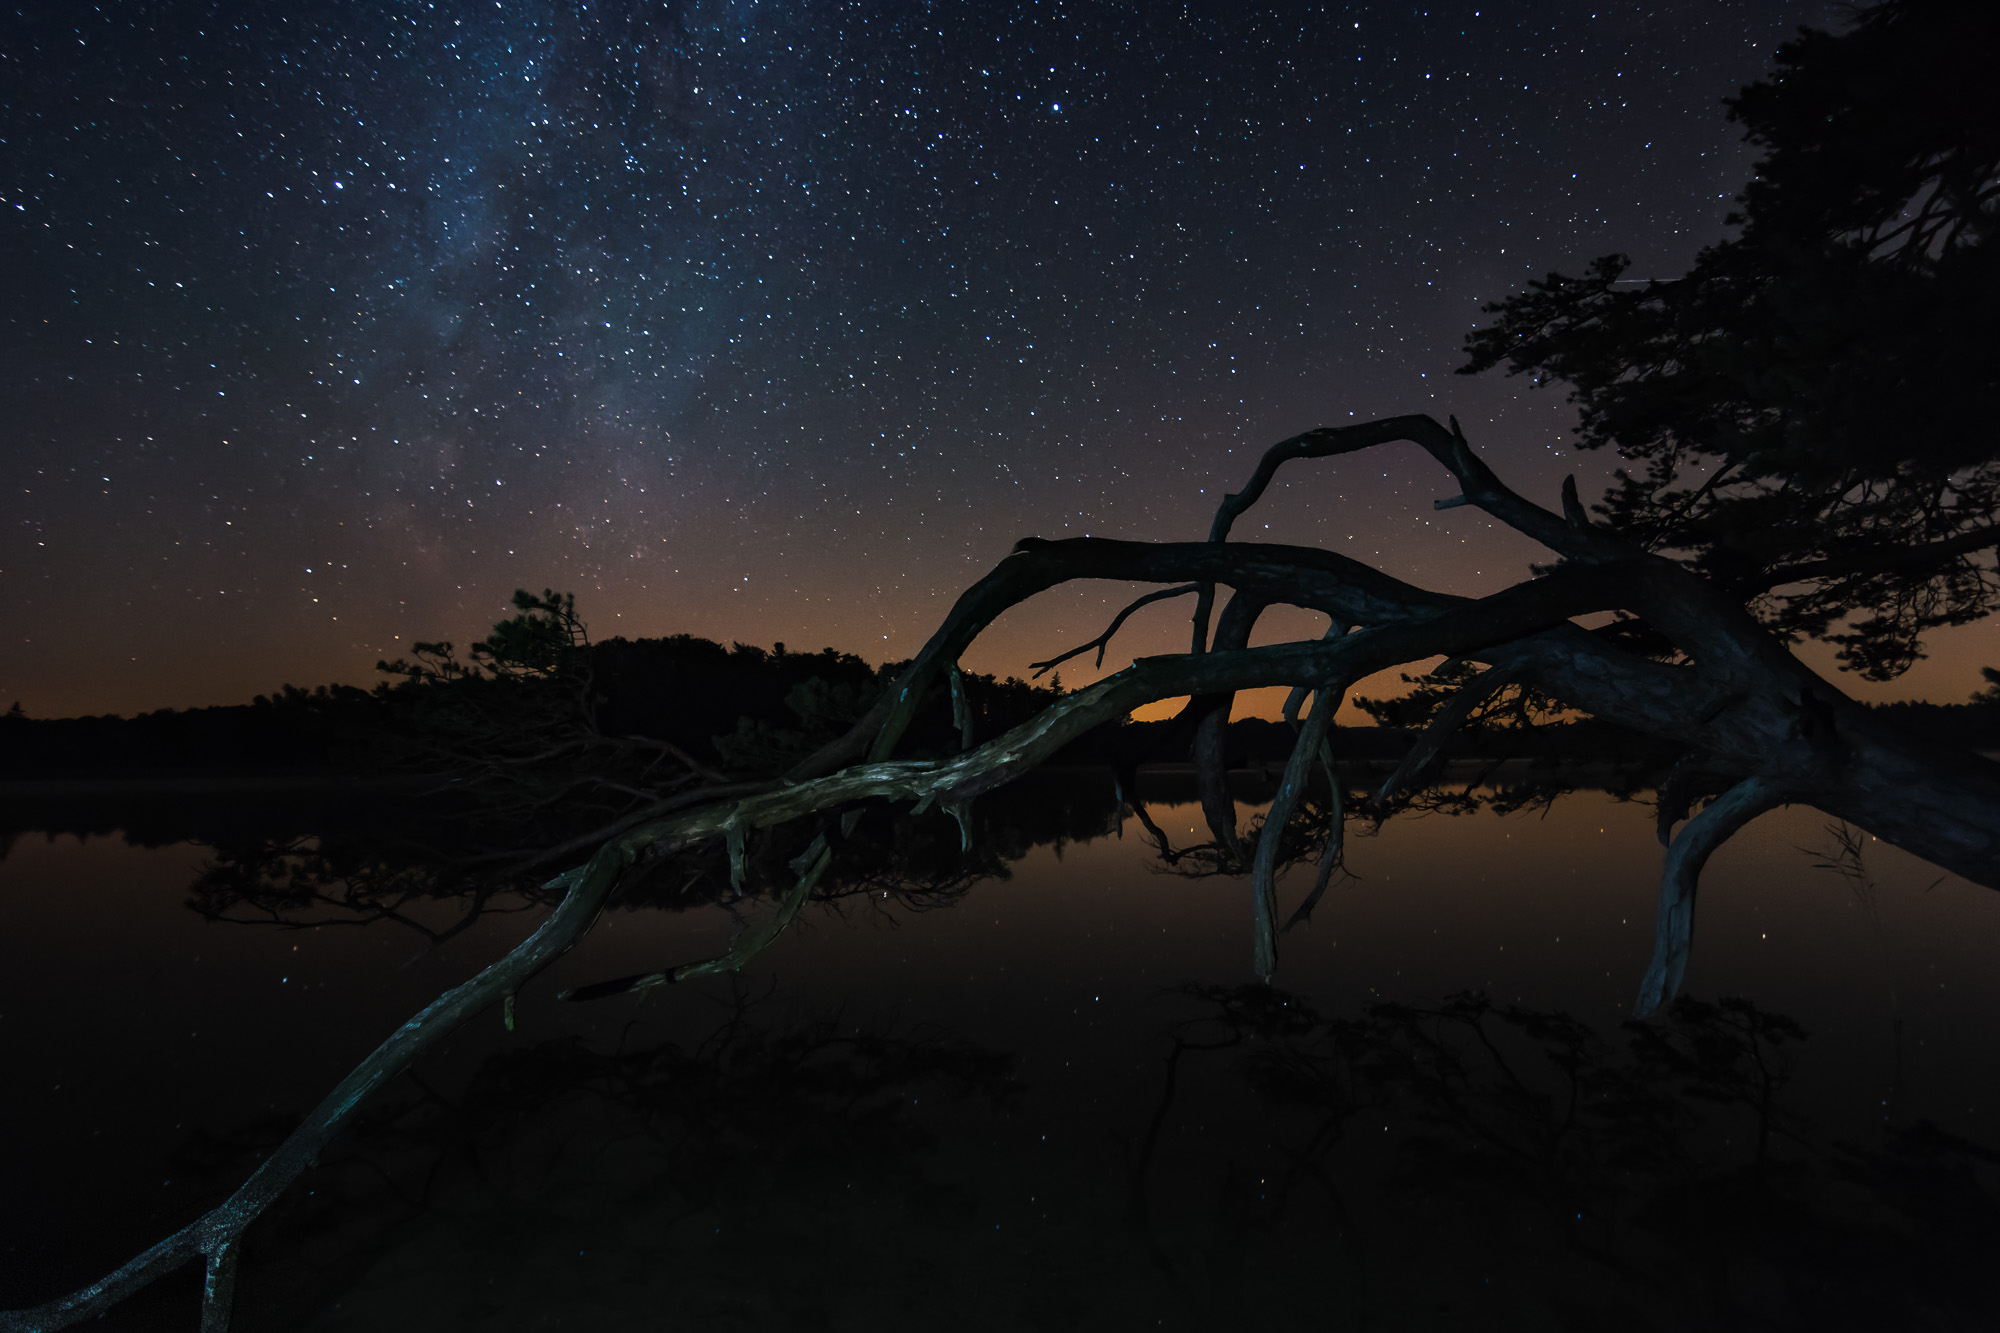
column 331, row 324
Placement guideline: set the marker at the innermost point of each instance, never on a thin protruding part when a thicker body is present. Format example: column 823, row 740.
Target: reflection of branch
column 283, row 882
column 746, row 946
column 1153, row 830
column 1137, row 1206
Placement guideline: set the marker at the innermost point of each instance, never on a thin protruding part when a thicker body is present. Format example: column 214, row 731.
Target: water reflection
column 636, row 1160
column 406, row 870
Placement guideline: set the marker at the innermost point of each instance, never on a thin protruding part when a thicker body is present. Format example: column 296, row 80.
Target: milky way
column 329, row 325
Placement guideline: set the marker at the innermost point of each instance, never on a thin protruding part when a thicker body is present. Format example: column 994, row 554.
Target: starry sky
column 330, row 324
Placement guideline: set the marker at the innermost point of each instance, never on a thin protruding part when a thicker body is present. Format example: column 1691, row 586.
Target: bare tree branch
column 212, row 1236
column 1478, row 484
column 1104, row 639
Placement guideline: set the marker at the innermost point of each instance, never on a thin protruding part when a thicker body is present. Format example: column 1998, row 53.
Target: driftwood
column 1754, row 719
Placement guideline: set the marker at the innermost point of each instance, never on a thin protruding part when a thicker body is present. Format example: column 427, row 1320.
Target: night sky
column 328, row 325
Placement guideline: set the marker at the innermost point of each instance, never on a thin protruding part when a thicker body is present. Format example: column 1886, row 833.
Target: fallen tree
column 1804, row 466
column 1759, row 729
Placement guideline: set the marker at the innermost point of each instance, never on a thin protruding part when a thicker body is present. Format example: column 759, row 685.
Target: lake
column 1043, row 1100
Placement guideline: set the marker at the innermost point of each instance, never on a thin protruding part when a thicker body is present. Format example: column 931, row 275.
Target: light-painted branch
column 1331, row 854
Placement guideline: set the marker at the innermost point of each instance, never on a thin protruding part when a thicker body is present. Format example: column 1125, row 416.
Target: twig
column 1103, row 640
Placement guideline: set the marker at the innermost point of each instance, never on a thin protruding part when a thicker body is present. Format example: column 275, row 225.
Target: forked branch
column 1103, row 640
column 1444, row 724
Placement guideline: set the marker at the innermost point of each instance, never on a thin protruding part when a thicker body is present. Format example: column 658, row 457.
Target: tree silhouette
column 1805, row 414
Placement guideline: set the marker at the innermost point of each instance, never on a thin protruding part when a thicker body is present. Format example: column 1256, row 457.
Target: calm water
column 1010, row 1112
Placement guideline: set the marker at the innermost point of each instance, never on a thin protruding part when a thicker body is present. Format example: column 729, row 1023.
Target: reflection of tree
column 521, row 774
column 418, row 873
column 306, row 883
column 1671, row 1160
column 1336, row 804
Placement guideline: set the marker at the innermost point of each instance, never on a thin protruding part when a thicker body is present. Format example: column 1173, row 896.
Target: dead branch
column 1104, row 639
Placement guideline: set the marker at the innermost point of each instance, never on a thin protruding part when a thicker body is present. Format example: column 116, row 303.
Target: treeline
column 750, row 711
column 1974, row 725
column 739, row 707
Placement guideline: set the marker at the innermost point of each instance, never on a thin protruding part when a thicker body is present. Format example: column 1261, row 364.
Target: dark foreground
column 1043, row 1101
